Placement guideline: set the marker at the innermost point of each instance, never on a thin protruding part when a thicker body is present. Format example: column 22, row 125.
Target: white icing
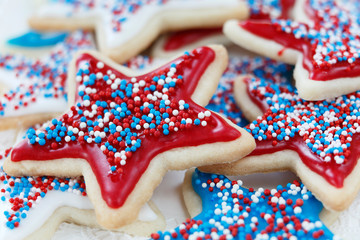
column 9, row 79
column 42, row 105
column 23, row 83
column 62, row 10
column 74, row 232
column 11, row 24
column 38, row 214
column 135, row 23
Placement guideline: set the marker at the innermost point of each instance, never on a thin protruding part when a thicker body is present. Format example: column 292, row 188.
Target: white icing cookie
column 125, row 28
column 34, row 90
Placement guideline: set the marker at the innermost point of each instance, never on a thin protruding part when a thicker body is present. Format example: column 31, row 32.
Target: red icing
column 332, row 172
column 116, row 187
column 180, row 39
column 286, row 5
column 265, row 29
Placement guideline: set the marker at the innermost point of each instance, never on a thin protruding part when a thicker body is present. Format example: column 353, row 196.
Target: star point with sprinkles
column 230, row 211
column 119, row 124
column 324, row 45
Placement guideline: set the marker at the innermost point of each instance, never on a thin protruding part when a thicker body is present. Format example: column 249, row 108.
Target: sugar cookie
column 120, row 134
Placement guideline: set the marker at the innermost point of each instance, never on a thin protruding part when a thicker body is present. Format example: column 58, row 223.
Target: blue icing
column 233, row 212
column 36, row 39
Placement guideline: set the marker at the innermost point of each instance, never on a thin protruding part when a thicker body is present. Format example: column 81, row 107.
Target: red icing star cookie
column 125, row 28
column 323, row 42
column 125, row 131
column 316, row 139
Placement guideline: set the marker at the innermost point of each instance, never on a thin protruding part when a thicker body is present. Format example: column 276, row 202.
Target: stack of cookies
column 101, row 98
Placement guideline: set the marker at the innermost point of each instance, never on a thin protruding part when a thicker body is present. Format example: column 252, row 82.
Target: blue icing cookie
column 230, row 211
column 223, row 100
column 36, row 39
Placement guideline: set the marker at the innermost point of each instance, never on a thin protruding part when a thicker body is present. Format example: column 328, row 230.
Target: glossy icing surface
column 26, row 203
column 180, row 39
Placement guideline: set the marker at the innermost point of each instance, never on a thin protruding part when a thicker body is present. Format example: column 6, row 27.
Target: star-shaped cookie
column 323, row 42
column 34, row 90
column 125, row 28
column 125, row 131
column 316, row 139
column 230, row 211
